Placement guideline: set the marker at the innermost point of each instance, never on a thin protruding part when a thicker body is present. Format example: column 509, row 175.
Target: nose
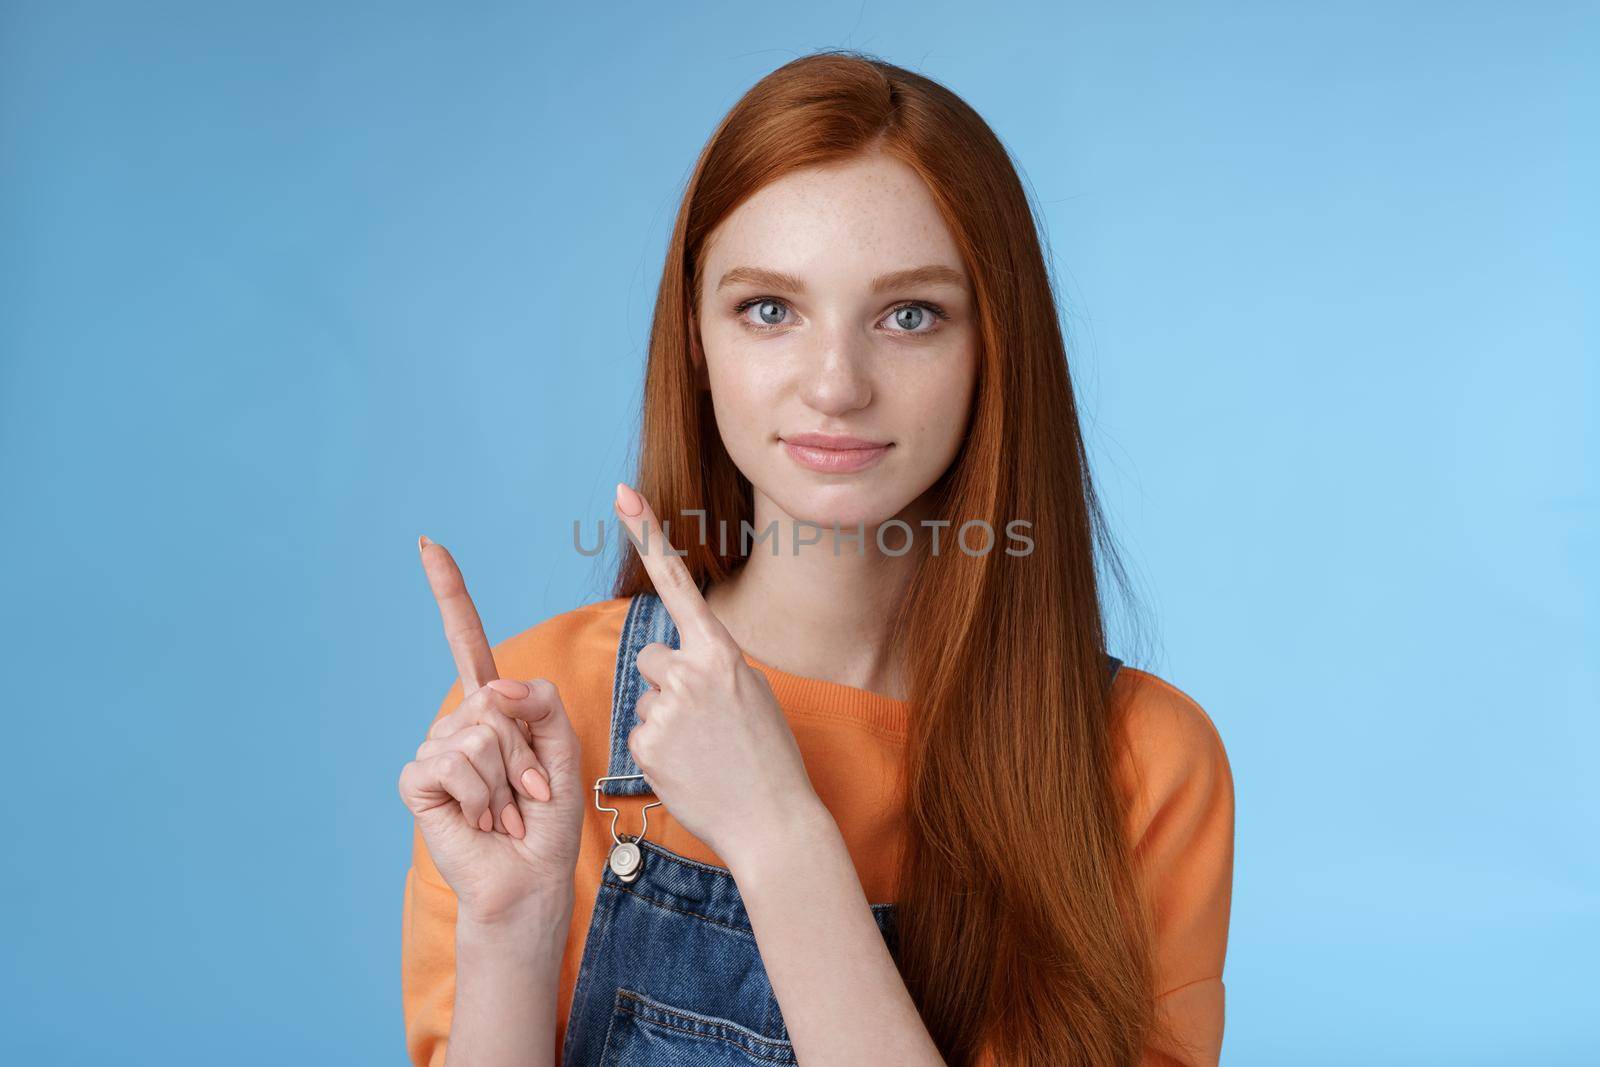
column 835, row 379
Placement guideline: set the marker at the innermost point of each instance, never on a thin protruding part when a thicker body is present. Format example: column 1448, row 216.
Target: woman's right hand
column 495, row 787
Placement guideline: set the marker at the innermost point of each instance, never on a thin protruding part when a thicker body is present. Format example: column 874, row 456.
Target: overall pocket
column 645, row 1032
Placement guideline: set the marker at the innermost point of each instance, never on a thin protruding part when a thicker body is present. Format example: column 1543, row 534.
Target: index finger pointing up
column 674, row 584
column 462, row 627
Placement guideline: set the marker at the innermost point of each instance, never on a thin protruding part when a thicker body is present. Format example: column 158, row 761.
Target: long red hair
column 1019, row 917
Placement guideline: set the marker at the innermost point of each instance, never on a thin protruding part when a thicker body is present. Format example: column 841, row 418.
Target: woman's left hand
column 712, row 742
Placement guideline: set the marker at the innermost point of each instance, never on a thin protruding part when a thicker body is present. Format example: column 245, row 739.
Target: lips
column 834, row 453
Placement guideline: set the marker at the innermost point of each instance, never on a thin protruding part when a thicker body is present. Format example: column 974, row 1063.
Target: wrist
column 535, row 929
column 798, row 829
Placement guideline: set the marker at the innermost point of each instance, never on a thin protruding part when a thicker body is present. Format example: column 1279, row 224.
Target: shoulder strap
column 647, row 622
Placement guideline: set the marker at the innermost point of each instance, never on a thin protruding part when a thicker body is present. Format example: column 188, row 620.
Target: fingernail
column 423, row 542
column 513, row 820
column 628, row 501
column 536, row 784
column 486, row 821
column 510, row 687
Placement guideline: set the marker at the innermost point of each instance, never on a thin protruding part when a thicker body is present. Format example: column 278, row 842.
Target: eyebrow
column 933, row 274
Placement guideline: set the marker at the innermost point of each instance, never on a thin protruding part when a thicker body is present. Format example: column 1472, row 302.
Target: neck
column 807, row 610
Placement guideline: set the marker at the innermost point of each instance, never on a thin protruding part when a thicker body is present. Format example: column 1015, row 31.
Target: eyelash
column 939, row 314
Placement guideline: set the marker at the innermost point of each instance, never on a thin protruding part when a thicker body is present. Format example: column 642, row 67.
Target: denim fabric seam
column 710, row 1022
column 583, row 985
column 611, row 1026
column 623, row 689
column 743, row 931
column 659, row 1013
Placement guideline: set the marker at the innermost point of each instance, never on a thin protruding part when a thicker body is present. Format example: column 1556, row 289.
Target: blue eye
column 910, row 318
column 770, row 311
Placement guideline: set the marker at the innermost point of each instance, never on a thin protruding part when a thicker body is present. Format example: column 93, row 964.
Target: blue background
column 283, row 286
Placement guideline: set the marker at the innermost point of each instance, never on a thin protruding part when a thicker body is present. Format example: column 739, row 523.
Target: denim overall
column 670, row 975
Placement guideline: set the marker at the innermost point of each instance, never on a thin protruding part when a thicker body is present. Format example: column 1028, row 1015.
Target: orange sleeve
column 1177, row 775
column 428, row 945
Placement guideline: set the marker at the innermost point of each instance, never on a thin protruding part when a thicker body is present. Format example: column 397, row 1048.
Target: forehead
column 863, row 216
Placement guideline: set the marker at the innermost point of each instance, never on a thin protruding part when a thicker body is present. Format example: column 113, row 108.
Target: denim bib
column 670, row 975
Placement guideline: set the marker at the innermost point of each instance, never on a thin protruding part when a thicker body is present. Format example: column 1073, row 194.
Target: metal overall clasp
column 625, row 856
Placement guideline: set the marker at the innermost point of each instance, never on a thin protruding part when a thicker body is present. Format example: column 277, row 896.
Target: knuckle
column 461, row 632
column 479, row 738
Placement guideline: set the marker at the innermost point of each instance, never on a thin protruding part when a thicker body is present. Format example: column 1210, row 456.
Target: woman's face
column 837, row 324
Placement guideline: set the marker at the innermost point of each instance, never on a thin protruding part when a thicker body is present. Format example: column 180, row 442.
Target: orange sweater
column 1177, row 783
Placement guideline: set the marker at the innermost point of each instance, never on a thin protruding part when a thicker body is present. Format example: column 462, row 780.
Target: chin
column 847, row 505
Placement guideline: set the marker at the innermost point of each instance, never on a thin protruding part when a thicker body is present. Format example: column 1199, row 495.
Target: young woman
column 844, row 773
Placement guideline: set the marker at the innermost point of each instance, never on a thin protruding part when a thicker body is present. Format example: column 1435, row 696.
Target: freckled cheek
column 746, row 401
column 930, row 410
column 744, row 385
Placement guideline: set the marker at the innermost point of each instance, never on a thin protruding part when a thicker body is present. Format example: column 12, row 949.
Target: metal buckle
column 625, row 857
